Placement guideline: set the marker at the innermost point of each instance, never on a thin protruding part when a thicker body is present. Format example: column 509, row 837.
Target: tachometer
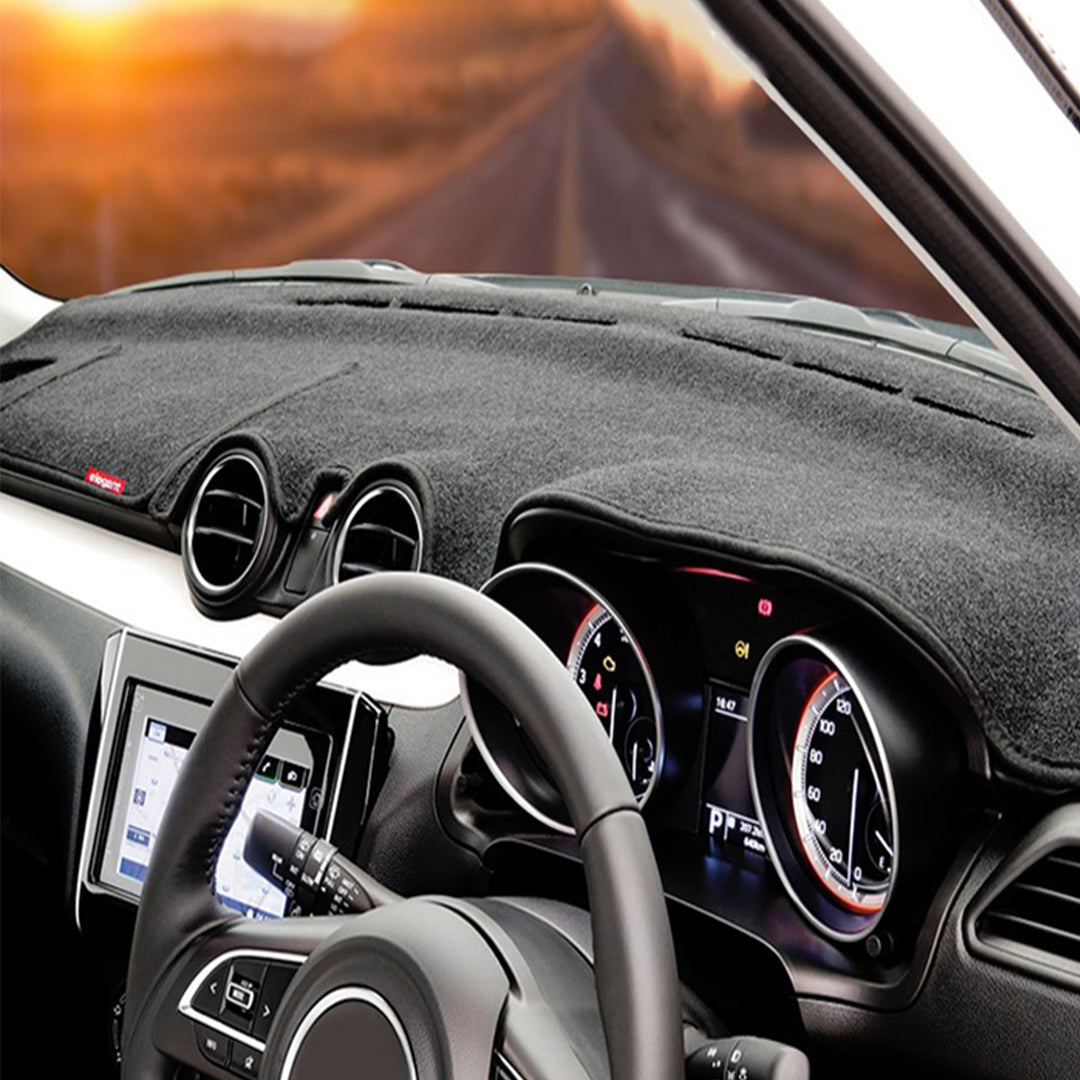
column 839, row 800
column 606, row 664
column 603, row 658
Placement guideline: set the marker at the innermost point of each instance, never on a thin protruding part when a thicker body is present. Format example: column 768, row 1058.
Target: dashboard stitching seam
column 13, row 398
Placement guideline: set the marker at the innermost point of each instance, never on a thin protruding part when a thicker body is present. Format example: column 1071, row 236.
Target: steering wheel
column 420, row 988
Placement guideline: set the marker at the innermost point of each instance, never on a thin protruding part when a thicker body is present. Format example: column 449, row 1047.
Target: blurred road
column 570, row 193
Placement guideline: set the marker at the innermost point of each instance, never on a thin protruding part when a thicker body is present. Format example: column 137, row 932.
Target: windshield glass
column 145, row 138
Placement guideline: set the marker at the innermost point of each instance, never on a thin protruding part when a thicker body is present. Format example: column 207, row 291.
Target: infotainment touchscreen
column 161, row 728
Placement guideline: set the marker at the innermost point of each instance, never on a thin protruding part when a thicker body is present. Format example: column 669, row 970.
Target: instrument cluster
column 761, row 726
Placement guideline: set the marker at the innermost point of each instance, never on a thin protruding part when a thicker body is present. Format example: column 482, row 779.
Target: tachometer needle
column 884, row 843
column 851, row 827
column 611, row 715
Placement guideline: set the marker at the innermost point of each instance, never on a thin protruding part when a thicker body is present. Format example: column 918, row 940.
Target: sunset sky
column 688, row 25
column 143, row 138
column 96, row 23
column 300, row 9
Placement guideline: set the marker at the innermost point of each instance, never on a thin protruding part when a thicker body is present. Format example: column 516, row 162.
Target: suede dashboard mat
column 950, row 501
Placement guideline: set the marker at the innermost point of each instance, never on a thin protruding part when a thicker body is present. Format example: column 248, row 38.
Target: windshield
column 146, row 138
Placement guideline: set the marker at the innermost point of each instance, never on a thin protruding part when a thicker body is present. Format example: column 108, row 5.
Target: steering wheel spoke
column 214, row 1007
column 535, row 1045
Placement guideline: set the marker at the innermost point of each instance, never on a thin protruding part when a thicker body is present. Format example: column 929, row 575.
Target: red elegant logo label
column 112, row 484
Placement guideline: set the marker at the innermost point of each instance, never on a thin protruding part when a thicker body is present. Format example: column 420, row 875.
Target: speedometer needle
column 851, row 826
column 611, row 715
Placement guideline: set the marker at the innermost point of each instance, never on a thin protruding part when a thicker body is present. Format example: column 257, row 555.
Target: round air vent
column 228, row 531
column 382, row 532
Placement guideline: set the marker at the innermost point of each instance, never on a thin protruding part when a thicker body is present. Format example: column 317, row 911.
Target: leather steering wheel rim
column 372, row 619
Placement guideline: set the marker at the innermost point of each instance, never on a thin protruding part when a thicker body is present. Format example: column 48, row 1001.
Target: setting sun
column 94, row 9
column 91, row 8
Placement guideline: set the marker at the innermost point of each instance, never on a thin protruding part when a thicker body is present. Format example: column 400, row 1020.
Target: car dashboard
column 845, row 719
column 742, row 700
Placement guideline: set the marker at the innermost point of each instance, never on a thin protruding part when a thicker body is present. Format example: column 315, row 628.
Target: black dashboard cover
column 948, row 500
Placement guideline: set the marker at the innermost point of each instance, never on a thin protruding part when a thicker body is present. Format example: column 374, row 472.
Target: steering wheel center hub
column 407, row 990
column 351, row 1024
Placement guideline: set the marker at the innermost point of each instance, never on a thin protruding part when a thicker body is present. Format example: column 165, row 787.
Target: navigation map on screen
column 168, row 725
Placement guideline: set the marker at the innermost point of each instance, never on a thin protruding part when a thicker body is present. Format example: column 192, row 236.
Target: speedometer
column 606, row 664
column 839, row 800
column 824, row 738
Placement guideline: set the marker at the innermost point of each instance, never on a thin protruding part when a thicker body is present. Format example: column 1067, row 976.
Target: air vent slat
column 351, row 570
column 381, row 532
column 384, row 531
column 1019, row 930
column 228, row 528
column 1062, row 868
column 225, row 534
column 1047, row 894
column 233, row 496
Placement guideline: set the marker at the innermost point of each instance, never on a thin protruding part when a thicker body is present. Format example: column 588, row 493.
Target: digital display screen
column 728, row 820
column 279, row 786
column 162, row 750
column 161, row 730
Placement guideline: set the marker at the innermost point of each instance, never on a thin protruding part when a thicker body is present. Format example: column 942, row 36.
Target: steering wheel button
column 240, row 996
column 245, row 1061
column 213, row 1045
column 242, row 992
column 277, row 980
column 211, row 994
